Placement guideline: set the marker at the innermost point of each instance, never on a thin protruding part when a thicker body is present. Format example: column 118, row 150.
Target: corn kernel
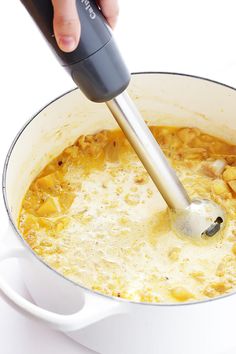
column 181, row 294
column 198, row 275
column 141, row 179
column 174, row 253
column 132, row 199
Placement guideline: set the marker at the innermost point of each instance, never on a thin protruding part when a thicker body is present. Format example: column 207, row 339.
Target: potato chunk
column 229, row 173
column 232, row 185
column 30, row 223
column 47, row 182
column 66, row 199
column 49, row 207
column 62, row 223
column 220, row 188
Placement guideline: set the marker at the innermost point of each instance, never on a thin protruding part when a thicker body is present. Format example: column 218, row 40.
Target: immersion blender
column 97, row 67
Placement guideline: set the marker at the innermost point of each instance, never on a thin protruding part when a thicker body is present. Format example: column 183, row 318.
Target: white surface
column 182, row 36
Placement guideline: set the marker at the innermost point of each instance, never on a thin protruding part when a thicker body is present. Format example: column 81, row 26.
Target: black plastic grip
column 94, row 30
column 96, row 64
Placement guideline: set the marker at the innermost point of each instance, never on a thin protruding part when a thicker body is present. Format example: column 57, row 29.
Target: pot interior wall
column 163, row 99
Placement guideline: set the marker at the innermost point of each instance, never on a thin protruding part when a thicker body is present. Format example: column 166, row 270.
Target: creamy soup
column 95, row 216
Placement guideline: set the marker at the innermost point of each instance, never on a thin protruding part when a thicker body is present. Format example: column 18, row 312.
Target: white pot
column 105, row 324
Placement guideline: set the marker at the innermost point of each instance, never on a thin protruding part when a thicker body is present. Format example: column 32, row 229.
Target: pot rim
column 14, row 227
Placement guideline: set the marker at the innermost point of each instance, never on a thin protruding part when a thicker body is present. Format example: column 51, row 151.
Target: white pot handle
column 94, row 308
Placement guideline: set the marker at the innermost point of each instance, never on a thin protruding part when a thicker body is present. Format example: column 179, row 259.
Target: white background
column 188, row 36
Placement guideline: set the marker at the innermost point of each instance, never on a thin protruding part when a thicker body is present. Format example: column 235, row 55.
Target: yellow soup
column 94, row 215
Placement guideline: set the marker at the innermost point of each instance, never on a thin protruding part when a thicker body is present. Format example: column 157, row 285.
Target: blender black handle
column 96, row 64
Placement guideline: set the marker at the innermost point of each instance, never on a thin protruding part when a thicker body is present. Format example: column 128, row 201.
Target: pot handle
column 94, row 309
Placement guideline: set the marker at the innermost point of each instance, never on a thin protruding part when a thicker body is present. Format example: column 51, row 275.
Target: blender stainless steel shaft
column 97, row 67
column 149, row 152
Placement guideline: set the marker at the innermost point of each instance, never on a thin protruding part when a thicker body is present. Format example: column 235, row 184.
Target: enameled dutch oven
column 105, row 324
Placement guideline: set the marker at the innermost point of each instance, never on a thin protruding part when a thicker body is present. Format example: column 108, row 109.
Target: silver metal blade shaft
column 148, row 151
